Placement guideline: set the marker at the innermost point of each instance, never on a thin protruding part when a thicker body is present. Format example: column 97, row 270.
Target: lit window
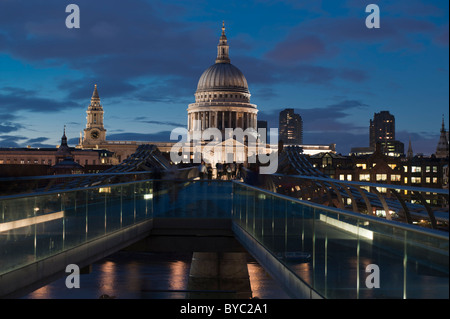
column 364, row 177
column 363, row 166
column 381, row 177
column 405, row 169
column 416, row 180
column 434, row 169
column 428, row 169
column 435, row 180
column 395, row 178
column 428, row 180
column 349, row 177
column 416, row 169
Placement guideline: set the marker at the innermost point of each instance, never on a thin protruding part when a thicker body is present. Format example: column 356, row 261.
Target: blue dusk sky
column 316, row 56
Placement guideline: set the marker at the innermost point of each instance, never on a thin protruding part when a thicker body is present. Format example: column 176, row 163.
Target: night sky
column 146, row 57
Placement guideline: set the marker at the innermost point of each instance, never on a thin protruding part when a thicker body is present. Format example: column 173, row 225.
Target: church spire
column 442, row 148
column 222, row 47
column 410, row 153
column 95, row 93
column 63, row 150
column 95, row 101
column 64, row 137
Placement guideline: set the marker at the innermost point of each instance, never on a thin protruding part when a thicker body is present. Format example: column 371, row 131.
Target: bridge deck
column 324, row 248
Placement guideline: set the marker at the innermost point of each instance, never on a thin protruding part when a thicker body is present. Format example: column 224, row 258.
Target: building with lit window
column 31, row 161
column 290, row 128
column 417, row 171
column 382, row 130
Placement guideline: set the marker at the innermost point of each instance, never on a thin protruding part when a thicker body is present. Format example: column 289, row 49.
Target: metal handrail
column 423, row 231
column 61, row 191
column 391, row 186
column 30, row 178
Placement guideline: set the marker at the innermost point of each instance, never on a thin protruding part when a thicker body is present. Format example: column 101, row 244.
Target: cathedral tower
column 95, row 132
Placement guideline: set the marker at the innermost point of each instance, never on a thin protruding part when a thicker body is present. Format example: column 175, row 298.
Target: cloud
column 143, row 119
column 11, row 140
column 163, row 136
column 326, row 35
column 264, row 71
column 8, row 127
column 116, row 39
column 16, row 99
column 443, row 36
column 82, row 89
column 119, row 50
column 298, row 48
column 324, row 118
column 37, row 140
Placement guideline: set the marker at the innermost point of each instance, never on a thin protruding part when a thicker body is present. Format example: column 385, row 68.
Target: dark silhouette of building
column 442, row 147
column 290, row 128
column 263, row 125
column 417, row 171
column 382, row 130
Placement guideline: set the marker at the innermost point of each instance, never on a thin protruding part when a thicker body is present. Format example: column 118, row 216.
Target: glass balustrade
column 334, row 251
column 37, row 226
column 331, row 250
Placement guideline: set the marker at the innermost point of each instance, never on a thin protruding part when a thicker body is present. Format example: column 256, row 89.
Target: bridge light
column 148, row 196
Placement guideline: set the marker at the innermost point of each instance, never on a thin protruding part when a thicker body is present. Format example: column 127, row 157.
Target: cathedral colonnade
column 221, row 119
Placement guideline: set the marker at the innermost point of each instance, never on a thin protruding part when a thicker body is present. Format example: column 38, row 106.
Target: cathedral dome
column 222, row 77
column 222, row 99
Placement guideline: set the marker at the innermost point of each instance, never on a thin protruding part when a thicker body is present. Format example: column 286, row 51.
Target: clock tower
column 94, row 133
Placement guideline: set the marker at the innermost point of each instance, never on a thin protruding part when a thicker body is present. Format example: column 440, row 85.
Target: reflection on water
column 107, row 278
column 135, row 275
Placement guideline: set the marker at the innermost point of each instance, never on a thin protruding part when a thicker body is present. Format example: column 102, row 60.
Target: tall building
column 382, row 128
column 222, row 99
column 95, row 132
column 382, row 131
column 290, row 128
column 442, row 147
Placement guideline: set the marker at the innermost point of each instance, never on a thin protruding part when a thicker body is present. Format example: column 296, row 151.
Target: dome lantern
column 223, row 48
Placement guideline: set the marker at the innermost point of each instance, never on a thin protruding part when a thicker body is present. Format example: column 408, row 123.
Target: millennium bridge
column 316, row 236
